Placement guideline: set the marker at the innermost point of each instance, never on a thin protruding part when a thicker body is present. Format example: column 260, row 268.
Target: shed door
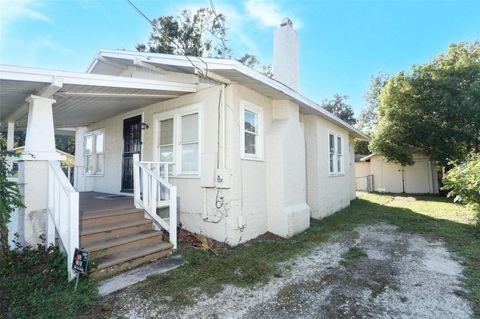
column 132, row 144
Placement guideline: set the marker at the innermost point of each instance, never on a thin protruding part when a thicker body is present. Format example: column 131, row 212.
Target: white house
column 209, row 143
column 375, row 173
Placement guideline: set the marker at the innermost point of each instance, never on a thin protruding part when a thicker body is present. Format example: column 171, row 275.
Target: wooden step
column 99, row 233
column 124, row 243
column 127, row 259
column 102, row 217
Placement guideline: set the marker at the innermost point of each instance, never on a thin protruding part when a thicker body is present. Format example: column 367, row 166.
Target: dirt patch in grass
column 375, row 271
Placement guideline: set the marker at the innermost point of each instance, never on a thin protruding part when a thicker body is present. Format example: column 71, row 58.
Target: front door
column 132, row 143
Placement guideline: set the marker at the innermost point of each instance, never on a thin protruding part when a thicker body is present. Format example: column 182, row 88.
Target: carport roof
column 81, row 98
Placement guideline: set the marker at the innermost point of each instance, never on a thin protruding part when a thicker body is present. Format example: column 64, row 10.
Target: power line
column 173, row 42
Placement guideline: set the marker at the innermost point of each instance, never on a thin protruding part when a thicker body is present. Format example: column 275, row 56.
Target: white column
column 40, row 139
column 33, row 168
column 10, row 135
column 79, row 172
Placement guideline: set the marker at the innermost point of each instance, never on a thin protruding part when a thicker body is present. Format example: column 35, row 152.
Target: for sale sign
column 80, row 261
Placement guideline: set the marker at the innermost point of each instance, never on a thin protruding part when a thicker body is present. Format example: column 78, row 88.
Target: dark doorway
column 132, row 143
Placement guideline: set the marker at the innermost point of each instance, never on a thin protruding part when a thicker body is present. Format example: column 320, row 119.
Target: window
column 94, row 150
column 335, row 146
column 179, row 140
column 189, row 143
column 251, row 135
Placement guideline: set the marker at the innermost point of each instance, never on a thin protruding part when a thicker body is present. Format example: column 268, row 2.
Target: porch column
column 33, row 169
column 10, row 135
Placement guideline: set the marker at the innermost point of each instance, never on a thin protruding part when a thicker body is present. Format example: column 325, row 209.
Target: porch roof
column 223, row 70
column 81, row 98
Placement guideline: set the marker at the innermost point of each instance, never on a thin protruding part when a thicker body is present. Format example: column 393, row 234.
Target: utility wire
column 173, row 42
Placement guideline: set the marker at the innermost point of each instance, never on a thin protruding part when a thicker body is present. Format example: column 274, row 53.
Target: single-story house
column 165, row 140
column 374, row 173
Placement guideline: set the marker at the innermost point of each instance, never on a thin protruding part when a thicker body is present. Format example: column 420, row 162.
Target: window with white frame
column 179, row 141
column 94, row 152
column 335, row 146
column 251, row 132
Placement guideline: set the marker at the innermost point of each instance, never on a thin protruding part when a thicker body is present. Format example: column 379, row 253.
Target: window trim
column 94, row 154
column 176, row 115
column 336, row 154
column 250, row 107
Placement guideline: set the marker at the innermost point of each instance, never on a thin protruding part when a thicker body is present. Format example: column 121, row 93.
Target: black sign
column 80, row 261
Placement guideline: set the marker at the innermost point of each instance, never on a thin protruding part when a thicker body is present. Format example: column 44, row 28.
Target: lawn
column 257, row 261
column 35, row 287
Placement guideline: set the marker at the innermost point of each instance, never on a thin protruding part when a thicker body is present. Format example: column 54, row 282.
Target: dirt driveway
column 373, row 272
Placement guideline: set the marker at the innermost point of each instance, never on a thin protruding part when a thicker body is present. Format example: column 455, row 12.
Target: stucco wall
column 419, row 178
column 326, row 194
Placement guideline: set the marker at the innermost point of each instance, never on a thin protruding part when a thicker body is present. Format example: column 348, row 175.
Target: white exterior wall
column 420, row 178
column 326, row 194
column 362, row 169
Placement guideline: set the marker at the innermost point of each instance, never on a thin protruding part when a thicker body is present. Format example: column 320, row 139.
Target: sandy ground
column 403, row 276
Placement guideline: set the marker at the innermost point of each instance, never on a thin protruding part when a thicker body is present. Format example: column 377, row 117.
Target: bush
column 463, row 183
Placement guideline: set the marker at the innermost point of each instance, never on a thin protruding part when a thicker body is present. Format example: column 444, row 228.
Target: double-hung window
column 335, row 147
column 179, row 140
column 94, row 152
column 251, row 132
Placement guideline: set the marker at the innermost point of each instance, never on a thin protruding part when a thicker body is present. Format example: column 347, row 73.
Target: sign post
column 80, row 264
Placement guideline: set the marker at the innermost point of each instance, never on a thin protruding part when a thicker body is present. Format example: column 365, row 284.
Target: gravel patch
column 402, row 276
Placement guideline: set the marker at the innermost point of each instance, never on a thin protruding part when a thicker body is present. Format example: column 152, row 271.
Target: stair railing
column 63, row 213
column 152, row 191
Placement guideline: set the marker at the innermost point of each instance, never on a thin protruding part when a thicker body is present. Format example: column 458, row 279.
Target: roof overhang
column 81, row 98
column 220, row 70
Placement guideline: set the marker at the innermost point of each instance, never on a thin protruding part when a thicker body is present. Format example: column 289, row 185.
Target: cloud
column 268, row 13
column 17, row 9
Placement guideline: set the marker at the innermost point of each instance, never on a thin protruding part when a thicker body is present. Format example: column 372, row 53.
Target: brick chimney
column 285, row 54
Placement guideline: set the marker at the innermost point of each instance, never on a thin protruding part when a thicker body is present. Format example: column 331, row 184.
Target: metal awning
column 81, row 98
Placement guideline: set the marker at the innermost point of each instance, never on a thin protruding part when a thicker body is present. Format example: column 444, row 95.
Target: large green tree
column 434, row 109
column 340, row 108
column 198, row 33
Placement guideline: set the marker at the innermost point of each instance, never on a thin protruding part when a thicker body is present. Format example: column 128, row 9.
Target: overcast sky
column 342, row 43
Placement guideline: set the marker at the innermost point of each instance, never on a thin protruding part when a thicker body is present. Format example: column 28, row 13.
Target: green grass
column 351, row 255
column 257, row 261
column 33, row 285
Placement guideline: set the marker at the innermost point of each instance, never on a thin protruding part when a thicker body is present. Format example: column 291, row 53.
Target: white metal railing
column 63, row 213
column 152, row 190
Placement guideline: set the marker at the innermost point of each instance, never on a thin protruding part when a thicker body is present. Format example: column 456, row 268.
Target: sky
column 342, row 43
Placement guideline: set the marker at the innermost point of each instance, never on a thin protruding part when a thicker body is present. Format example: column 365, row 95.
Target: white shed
column 374, row 172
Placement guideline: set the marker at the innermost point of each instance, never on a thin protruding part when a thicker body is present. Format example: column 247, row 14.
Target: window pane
column 190, row 128
column 250, row 141
column 88, row 144
column 250, row 121
column 88, row 163
column 339, row 163
column 332, row 143
column 190, row 158
column 166, row 132
column 331, row 163
column 339, row 145
column 99, row 169
column 99, row 143
column 166, row 153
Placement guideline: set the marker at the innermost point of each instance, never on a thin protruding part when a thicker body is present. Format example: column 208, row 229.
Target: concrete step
column 124, row 243
column 114, row 263
column 98, row 233
column 102, row 217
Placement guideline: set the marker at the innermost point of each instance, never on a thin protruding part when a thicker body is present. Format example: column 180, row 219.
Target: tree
column 194, row 34
column 10, row 198
column 367, row 119
column 435, row 109
column 249, row 60
column 340, row 108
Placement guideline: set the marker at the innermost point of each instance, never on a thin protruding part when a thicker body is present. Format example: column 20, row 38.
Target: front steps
column 120, row 239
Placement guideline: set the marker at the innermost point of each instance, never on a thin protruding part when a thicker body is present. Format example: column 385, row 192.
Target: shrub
column 463, row 183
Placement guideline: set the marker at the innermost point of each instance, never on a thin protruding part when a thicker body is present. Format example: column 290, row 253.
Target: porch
column 113, row 228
